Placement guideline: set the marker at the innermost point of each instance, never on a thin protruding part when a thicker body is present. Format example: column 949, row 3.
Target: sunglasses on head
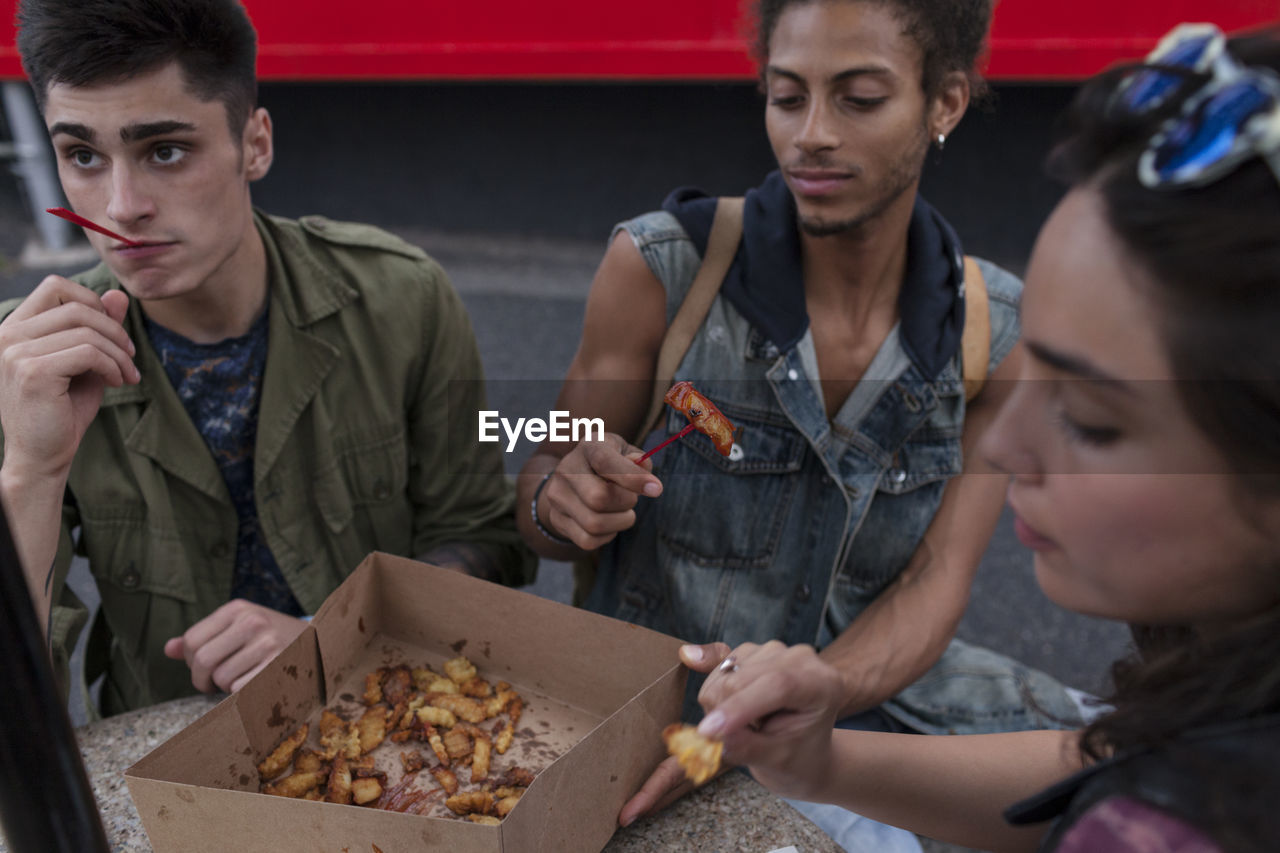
column 1232, row 117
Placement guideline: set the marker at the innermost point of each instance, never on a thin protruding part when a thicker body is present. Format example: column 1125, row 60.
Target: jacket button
column 898, row 476
column 803, row 592
column 131, row 579
column 381, row 491
column 219, row 550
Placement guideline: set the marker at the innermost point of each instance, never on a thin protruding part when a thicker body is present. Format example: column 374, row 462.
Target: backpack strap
column 722, row 246
column 975, row 341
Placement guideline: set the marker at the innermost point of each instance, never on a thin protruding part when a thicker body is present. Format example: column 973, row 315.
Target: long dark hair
column 1212, row 255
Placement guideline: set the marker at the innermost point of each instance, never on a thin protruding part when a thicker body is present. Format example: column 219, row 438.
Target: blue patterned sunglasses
column 1232, row 117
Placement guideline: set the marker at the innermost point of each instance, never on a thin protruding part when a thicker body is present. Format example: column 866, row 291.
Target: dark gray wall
column 570, row 160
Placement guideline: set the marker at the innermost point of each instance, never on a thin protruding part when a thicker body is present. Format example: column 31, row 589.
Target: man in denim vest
column 839, row 518
column 233, row 409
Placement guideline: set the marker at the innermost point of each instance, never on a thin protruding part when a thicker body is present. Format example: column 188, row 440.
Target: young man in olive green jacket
column 227, row 415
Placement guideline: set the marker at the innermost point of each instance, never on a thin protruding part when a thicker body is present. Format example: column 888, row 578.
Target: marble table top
column 733, row 813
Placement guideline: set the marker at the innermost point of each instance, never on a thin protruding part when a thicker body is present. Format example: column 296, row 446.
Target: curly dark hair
column 1213, row 263
column 952, row 35
column 83, row 42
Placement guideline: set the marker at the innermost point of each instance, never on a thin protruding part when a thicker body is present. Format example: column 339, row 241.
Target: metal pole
column 35, row 165
column 46, row 803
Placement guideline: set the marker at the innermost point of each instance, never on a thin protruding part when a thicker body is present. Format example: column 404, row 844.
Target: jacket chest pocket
column 366, row 484
column 143, row 573
column 729, row 512
column 904, row 504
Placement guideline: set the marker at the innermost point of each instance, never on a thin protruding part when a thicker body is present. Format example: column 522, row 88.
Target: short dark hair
column 84, row 42
column 951, row 34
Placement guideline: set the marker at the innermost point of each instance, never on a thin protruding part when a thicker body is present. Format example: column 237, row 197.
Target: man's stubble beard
column 902, row 176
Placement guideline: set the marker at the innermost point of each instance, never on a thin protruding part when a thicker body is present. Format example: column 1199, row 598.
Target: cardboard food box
column 597, row 695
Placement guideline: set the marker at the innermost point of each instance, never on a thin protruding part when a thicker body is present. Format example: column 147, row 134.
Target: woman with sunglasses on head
column 1144, row 444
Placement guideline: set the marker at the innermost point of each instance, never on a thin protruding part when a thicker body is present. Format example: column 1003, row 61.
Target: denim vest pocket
column 906, row 499
column 731, row 511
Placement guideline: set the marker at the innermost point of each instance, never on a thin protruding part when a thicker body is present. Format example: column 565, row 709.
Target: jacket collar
column 766, row 283
column 302, row 291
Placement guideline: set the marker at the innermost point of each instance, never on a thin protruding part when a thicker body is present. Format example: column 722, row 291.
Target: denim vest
column 798, row 530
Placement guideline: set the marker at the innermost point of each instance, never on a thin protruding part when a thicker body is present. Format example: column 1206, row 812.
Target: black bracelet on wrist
column 533, row 510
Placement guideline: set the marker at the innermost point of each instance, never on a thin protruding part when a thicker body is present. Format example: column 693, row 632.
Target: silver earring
column 941, row 141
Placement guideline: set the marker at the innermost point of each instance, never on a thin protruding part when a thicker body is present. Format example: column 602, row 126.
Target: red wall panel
column 659, row 39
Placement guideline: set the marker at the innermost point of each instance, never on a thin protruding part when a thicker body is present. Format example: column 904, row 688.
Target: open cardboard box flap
column 616, row 684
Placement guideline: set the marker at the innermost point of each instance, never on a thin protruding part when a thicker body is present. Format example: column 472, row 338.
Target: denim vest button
column 793, row 374
column 131, row 579
column 802, row 593
column 854, row 493
column 898, row 476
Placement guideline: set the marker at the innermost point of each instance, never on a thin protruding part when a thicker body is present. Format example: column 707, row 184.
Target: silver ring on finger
column 728, row 665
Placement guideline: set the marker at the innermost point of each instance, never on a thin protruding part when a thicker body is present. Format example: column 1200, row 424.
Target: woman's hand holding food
column 591, row 495
column 774, row 707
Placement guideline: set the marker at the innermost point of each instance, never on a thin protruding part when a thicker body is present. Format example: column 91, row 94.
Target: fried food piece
column 431, row 715
column 447, row 779
column 515, row 777
column 703, row 413
column 411, row 712
column 437, row 745
column 506, row 791
column 282, row 756
column 308, row 761
column 502, row 741
column 372, row 728
column 339, row 790
column 412, row 760
column 442, row 685
column 471, row 802
column 364, row 791
column 463, row 707
column 699, row 756
column 486, row 819
column 337, row 737
column 458, row 744
column 296, row 785
column 460, row 670
column 480, row 759
column 395, row 689
column 313, row 795
column 498, row 702
column 506, row 804
column 422, row 677
column 476, row 688
column 373, row 686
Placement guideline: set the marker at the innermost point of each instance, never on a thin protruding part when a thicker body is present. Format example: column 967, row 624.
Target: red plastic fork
column 681, row 434
column 85, row 223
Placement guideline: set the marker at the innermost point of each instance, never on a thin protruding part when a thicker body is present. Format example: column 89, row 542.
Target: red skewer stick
column 85, row 223
column 681, row 434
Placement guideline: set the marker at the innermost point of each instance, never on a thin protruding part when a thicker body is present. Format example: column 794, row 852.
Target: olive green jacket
column 361, row 445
